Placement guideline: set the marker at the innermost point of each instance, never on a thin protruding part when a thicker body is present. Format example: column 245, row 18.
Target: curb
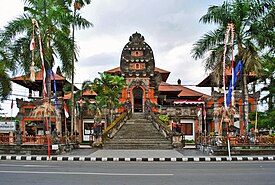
column 113, row 159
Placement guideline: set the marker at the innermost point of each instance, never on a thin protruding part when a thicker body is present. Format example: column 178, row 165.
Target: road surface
column 136, row 173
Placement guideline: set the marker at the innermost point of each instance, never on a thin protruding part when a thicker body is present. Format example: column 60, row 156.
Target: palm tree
column 269, row 81
column 5, row 84
column 86, row 86
column 6, row 67
column 108, row 89
column 263, row 28
column 245, row 15
column 77, row 5
column 54, row 18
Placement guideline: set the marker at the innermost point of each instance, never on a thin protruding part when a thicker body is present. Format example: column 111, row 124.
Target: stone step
column 139, row 136
column 140, row 126
column 139, row 141
column 133, row 136
column 138, row 146
column 138, row 130
column 138, row 133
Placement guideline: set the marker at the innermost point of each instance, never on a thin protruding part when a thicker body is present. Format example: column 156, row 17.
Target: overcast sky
column 170, row 27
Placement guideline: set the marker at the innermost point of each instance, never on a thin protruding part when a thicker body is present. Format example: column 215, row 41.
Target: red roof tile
column 161, row 70
column 188, row 92
column 67, row 96
column 117, row 69
column 38, row 76
column 166, row 87
column 89, row 93
column 183, row 91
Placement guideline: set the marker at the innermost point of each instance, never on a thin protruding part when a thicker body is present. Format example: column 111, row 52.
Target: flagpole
column 233, row 62
column 256, row 119
column 11, row 108
column 65, row 130
column 204, row 119
column 44, row 88
column 230, row 27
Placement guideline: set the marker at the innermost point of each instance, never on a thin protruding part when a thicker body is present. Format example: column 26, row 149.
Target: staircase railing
column 159, row 125
column 112, row 129
column 177, row 139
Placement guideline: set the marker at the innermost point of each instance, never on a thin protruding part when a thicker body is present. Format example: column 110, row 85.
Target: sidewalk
column 137, row 154
column 89, row 154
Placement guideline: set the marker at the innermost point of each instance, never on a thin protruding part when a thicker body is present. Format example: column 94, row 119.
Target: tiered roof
column 24, row 81
column 164, row 74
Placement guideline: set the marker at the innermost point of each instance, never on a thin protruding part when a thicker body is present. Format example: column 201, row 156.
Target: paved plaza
column 86, row 150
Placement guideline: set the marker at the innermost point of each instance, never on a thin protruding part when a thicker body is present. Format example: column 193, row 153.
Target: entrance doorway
column 138, row 99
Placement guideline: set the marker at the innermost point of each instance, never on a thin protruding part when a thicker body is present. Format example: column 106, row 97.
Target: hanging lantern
column 32, row 75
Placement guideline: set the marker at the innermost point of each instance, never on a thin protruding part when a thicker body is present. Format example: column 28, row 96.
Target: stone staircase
column 138, row 133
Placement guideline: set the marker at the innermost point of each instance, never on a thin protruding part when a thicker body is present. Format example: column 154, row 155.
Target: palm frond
column 207, row 42
column 218, row 14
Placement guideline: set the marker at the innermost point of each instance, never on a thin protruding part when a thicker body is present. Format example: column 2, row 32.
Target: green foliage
column 248, row 16
column 253, row 37
column 108, row 89
column 268, row 78
column 164, row 118
column 191, row 141
column 55, row 19
column 5, row 84
column 266, row 120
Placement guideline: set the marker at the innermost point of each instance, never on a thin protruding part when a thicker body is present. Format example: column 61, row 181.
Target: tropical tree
column 54, row 18
column 6, row 67
column 245, row 15
column 265, row 120
column 77, row 5
column 268, row 78
column 5, row 84
column 86, row 86
column 108, row 89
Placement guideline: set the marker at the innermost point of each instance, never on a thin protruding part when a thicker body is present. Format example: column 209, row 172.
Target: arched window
column 137, row 53
column 137, row 66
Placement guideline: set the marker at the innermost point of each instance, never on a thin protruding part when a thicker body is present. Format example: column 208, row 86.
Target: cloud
column 181, row 65
column 169, row 27
column 88, row 68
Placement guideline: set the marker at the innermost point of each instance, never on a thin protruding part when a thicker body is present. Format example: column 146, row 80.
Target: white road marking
column 87, row 173
column 26, row 165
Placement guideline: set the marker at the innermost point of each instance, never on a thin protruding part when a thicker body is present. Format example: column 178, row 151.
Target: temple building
column 216, row 101
column 147, row 83
column 34, row 125
column 189, row 112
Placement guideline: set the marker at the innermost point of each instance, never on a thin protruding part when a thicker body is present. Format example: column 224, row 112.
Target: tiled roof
column 164, row 73
column 209, row 81
column 89, row 93
column 117, row 69
column 166, row 87
column 183, row 91
column 67, row 96
column 86, row 93
column 188, row 92
column 161, row 70
column 38, row 77
column 24, row 81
